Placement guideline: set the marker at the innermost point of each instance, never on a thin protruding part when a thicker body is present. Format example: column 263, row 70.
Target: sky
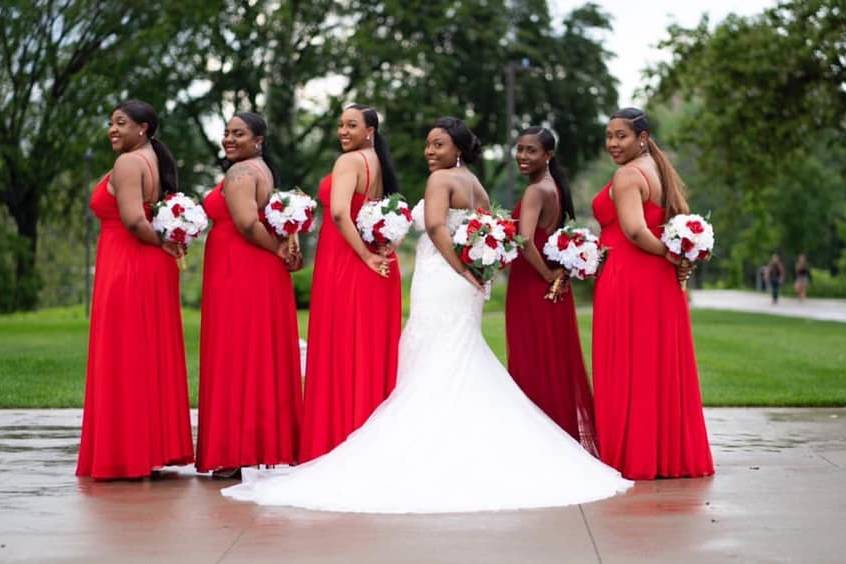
column 640, row 24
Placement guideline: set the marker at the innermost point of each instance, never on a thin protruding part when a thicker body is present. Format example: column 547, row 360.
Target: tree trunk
column 25, row 213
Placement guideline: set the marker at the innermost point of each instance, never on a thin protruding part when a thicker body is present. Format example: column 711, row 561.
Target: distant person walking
column 775, row 276
column 802, row 272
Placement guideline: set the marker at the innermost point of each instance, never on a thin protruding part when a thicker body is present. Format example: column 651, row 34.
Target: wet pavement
column 779, row 496
column 760, row 302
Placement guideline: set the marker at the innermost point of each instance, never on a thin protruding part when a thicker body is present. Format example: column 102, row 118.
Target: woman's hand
column 684, row 268
column 470, row 277
column 175, row 250
column 377, row 263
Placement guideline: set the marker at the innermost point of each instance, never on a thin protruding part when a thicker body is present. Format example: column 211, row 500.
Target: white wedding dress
column 457, row 434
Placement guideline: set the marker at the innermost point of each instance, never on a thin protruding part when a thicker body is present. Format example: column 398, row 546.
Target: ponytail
column 256, row 124
column 390, row 184
column 673, row 190
column 168, row 172
column 565, row 197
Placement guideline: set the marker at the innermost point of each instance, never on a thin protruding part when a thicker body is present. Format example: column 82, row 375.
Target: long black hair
column 547, row 141
column 258, row 127
column 142, row 112
column 469, row 146
column 390, row 184
column 673, row 195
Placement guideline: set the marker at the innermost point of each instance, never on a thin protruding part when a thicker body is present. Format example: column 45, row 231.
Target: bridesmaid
column 356, row 305
column 136, row 417
column 649, row 417
column 544, row 352
column 250, row 386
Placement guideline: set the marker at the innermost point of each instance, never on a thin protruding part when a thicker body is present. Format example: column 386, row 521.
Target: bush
column 824, row 285
column 302, row 286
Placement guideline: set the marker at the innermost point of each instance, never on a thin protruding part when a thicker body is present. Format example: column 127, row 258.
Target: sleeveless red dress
column 648, row 408
column 544, row 352
column 353, row 336
column 250, row 381
column 136, row 414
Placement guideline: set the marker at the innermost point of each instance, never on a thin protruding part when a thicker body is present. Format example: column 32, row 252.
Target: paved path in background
column 779, row 495
column 759, row 302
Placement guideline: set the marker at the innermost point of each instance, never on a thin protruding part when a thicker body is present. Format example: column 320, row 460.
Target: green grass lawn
column 744, row 359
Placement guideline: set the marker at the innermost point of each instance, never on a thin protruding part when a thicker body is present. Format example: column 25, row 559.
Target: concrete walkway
column 759, row 302
column 779, row 496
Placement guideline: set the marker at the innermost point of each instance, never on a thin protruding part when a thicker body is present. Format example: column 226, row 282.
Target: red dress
column 646, row 389
column 544, row 352
column 353, row 336
column 250, row 382
column 136, row 414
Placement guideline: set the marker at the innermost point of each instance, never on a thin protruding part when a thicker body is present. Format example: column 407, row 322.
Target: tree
column 61, row 65
column 766, row 92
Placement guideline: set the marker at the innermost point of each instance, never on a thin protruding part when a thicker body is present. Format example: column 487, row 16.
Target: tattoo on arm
column 239, row 171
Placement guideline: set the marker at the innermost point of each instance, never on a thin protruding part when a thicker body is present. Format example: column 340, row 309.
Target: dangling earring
column 258, row 147
column 458, row 161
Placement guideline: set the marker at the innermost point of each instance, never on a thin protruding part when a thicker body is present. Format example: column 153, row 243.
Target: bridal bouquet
column 384, row 222
column 486, row 241
column 577, row 250
column 690, row 238
column 179, row 219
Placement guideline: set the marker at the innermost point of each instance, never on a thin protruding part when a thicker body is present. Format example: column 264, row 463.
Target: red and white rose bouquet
column 689, row 238
column 179, row 219
column 487, row 241
column 577, row 250
column 384, row 222
column 290, row 213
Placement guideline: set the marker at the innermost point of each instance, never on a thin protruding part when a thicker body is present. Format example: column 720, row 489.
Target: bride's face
column 440, row 151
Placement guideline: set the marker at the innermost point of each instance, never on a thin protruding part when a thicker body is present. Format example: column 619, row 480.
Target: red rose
column 377, row 232
column 290, row 227
column 578, row 239
column 491, row 242
column 473, row 226
column 695, row 227
column 406, row 213
column 563, row 241
column 465, row 256
column 687, row 245
column 510, row 229
column 177, row 210
column 277, row 205
column 704, row 255
column 178, row 235
column 169, row 197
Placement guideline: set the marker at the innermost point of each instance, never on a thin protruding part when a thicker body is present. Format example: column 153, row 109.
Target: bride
column 457, row 434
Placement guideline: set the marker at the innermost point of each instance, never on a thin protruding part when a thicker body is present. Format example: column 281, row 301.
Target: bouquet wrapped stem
column 555, row 290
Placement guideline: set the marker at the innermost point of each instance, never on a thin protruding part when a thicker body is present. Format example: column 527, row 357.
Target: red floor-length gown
column 136, row 414
column 353, row 336
column 250, row 381
column 544, row 352
column 648, row 407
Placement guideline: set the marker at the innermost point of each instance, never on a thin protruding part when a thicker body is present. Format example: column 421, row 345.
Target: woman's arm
column 129, row 192
column 344, row 182
column 531, row 207
column 239, row 191
column 629, row 191
column 436, row 202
